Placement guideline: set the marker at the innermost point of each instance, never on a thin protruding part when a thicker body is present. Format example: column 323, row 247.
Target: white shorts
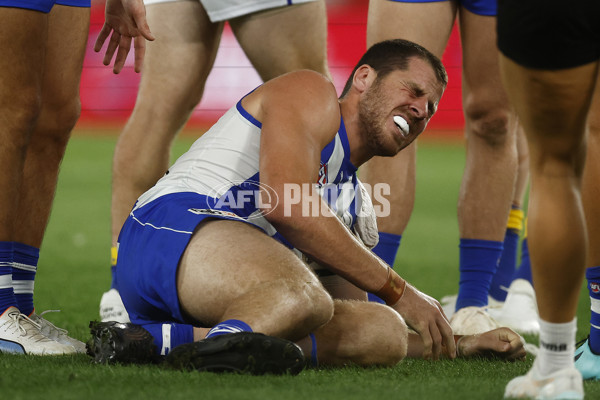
column 223, row 10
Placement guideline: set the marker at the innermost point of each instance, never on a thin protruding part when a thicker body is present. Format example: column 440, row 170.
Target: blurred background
column 107, row 99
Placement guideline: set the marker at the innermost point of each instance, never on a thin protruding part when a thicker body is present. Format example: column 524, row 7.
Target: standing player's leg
column 175, row 70
column 285, row 39
column 67, row 37
column 511, row 285
column 430, row 25
column 587, row 356
column 488, row 181
column 23, row 36
column 553, row 107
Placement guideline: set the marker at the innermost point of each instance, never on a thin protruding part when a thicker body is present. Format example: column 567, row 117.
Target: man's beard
column 372, row 121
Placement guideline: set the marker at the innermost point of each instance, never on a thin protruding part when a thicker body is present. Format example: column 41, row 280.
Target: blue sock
column 314, row 361
column 386, row 249
column 593, row 277
column 7, row 294
column 507, row 267
column 229, row 326
column 478, row 263
column 168, row 336
column 524, row 270
column 25, row 263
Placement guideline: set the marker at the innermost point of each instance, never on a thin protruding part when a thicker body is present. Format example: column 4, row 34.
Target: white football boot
column 564, row 384
column 59, row 335
column 112, row 307
column 519, row 311
column 20, row 335
column 472, row 320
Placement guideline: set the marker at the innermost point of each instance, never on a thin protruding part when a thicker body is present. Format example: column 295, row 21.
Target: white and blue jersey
column 218, row 177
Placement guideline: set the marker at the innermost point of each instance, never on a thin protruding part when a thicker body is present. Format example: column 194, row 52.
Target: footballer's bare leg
column 487, row 186
column 60, row 110
column 67, row 37
column 175, row 70
column 20, row 101
column 553, row 107
column 300, row 41
column 588, row 354
column 25, row 36
column 360, row 333
column 430, row 25
column 233, row 271
column 491, row 165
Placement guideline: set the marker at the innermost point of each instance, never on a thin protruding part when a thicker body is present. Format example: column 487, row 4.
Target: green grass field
column 73, row 273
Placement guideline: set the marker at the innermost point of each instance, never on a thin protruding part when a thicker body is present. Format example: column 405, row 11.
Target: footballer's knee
column 57, row 120
column 487, row 124
column 391, row 345
column 314, row 306
column 364, row 334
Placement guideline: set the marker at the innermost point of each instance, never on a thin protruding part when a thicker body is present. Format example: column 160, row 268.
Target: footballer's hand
column 424, row 315
column 501, row 342
column 125, row 20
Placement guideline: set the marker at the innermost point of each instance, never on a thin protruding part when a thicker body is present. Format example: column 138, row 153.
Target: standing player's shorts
column 43, row 5
column 549, row 34
column 223, row 10
column 479, row 7
column 151, row 243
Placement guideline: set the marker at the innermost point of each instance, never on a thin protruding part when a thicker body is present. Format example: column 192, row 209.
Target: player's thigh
column 227, row 259
column 552, row 106
column 178, row 61
column 284, row 39
column 23, row 43
column 65, row 50
column 482, row 86
column 428, row 24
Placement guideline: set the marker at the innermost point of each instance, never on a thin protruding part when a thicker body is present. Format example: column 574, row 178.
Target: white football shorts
column 223, row 10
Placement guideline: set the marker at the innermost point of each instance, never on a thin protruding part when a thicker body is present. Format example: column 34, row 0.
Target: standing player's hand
column 126, row 19
column 424, row 315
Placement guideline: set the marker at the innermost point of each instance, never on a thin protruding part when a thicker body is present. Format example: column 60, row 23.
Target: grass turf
column 73, row 273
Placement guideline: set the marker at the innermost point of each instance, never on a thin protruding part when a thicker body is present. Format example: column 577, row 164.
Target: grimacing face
column 395, row 109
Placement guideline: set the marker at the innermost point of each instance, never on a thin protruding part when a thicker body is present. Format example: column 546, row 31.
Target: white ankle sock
column 557, row 346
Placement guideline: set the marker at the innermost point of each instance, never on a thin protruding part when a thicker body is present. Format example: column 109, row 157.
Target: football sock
column 478, row 263
column 25, row 261
column 557, row 346
column 508, row 262
column 168, row 336
column 386, row 249
column 229, row 326
column 113, row 267
column 7, row 294
column 524, row 270
column 314, row 361
column 593, row 277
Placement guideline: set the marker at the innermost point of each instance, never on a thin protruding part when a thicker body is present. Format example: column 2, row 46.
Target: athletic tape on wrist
column 393, row 289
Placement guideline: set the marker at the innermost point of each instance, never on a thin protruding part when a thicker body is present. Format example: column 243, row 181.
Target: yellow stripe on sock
column 113, row 256
column 515, row 219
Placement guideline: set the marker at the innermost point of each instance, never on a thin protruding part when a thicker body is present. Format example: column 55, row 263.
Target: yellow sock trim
column 113, row 256
column 515, row 219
